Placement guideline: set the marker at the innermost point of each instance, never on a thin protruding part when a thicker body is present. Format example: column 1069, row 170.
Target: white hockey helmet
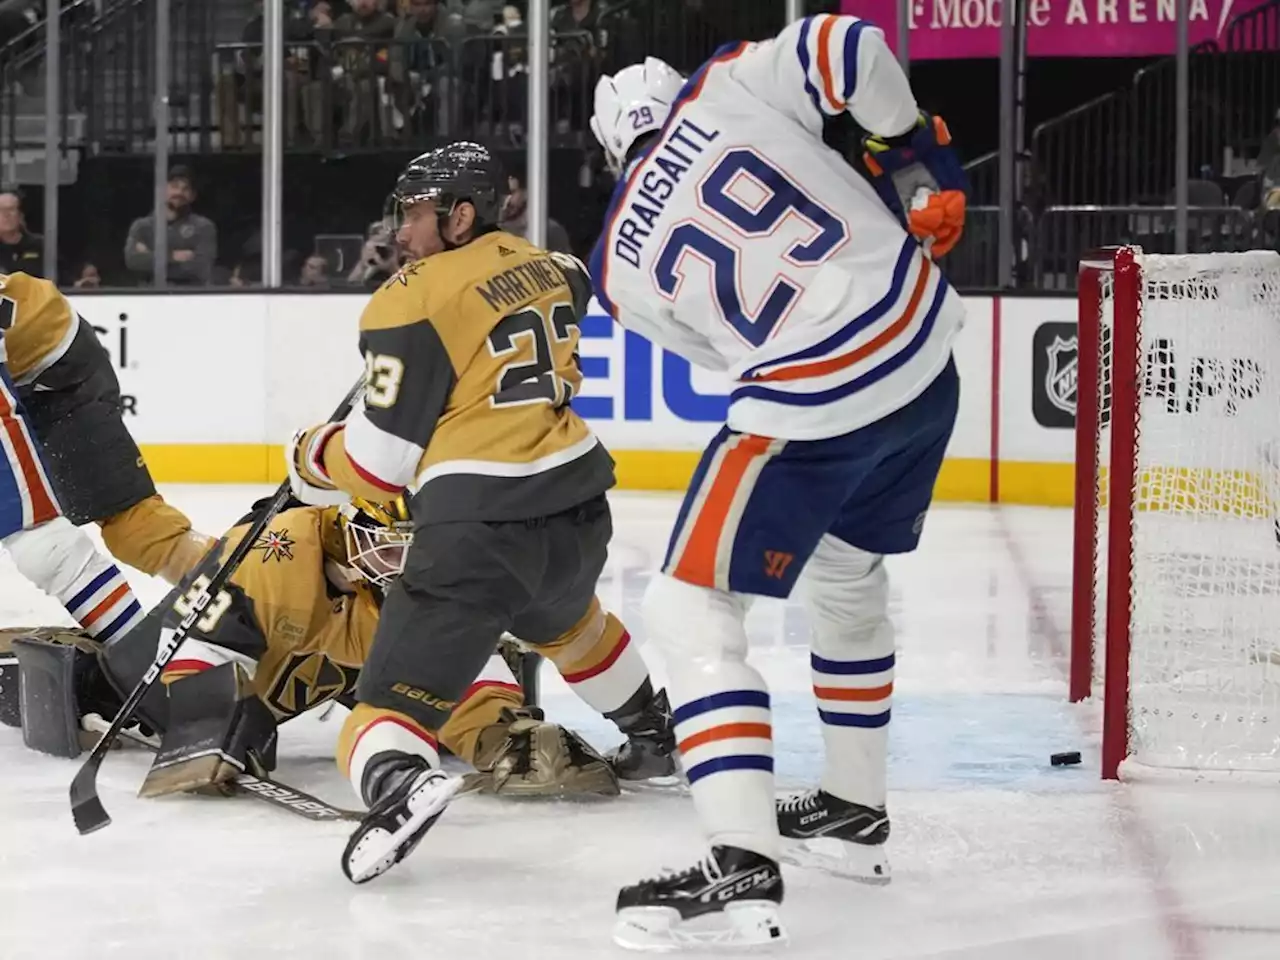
column 634, row 101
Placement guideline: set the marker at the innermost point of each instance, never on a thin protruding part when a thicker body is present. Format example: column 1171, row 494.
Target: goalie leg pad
column 10, row 711
column 217, row 728
column 126, row 658
column 50, row 672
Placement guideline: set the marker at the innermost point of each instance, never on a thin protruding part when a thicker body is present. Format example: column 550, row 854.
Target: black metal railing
column 107, row 75
column 1121, row 147
column 113, row 70
column 975, row 261
column 984, row 179
column 355, row 95
column 22, row 83
column 1063, row 234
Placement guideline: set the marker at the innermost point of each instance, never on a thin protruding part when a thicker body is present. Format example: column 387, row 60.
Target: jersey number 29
column 784, row 199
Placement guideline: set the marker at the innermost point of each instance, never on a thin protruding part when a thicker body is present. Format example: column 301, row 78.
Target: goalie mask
column 377, row 538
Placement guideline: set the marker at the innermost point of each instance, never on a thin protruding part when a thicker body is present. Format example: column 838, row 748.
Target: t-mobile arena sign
column 952, row 29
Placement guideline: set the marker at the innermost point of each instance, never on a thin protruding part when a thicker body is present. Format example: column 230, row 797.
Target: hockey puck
column 1068, row 759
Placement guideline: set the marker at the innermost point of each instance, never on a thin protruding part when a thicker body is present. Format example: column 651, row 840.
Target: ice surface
column 997, row 856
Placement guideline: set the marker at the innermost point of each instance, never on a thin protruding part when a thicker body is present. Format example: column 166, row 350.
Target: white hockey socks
column 61, row 560
column 721, row 710
column 598, row 660
column 370, row 733
column 846, row 593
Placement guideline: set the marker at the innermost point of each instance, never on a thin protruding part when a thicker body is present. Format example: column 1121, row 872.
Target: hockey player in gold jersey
column 290, row 632
column 65, row 381
column 471, row 364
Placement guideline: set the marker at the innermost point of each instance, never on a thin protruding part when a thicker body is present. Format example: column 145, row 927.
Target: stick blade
column 86, row 809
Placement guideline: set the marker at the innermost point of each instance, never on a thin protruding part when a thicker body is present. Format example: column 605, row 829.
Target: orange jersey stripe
column 818, row 368
column 867, row 695
column 727, row 731
column 824, row 61
column 43, row 508
column 698, row 561
column 111, row 600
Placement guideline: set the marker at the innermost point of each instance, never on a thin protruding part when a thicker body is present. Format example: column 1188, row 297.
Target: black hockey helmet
column 457, row 173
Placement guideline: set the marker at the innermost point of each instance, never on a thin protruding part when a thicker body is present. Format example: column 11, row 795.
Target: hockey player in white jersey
column 738, row 239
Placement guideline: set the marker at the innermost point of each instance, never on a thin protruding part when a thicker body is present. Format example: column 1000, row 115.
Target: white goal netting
column 1204, row 610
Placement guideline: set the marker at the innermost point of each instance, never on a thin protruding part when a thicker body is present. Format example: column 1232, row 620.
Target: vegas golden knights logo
column 307, row 680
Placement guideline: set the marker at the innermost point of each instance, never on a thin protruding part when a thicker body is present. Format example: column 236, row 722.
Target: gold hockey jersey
column 304, row 638
column 471, row 364
column 37, row 325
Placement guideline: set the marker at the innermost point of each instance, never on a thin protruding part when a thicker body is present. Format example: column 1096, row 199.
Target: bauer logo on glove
column 920, row 179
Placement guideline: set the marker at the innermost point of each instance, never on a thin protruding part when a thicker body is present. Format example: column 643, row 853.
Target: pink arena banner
column 952, row 29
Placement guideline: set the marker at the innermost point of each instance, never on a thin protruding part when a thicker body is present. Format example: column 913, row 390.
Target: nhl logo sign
column 1055, row 375
column 1062, row 374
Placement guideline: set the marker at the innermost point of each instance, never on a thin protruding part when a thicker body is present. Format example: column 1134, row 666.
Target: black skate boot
column 730, row 898
column 408, row 797
column 650, row 749
column 847, row 839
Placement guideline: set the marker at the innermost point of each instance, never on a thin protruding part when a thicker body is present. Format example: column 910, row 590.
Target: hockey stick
column 86, row 809
column 259, row 787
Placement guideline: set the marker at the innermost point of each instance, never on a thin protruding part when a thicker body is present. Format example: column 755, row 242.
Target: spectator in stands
column 379, row 259
column 578, row 38
column 19, row 249
column 239, row 82
column 193, row 239
column 355, row 43
column 515, row 217
column 315, row 272
column 1269, row 167
column 16, row 17
column 478, row 16
column 89, row 278
column 509, row 73
column 1270, row 151
column 417, row 76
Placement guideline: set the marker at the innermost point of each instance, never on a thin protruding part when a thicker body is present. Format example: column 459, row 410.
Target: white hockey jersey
column 741, row 242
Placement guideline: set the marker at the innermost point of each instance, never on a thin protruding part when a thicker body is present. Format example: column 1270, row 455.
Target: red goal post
column 1176, row 561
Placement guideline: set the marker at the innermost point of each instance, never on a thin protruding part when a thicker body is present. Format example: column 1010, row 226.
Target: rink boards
column 215, row 383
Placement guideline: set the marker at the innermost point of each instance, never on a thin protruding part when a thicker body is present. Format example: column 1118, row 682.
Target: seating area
column 370, row 83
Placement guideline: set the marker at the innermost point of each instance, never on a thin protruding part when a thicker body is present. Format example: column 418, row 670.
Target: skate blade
column 852, row 861
column 372, row 859
column 674, row 784
column 746, row 925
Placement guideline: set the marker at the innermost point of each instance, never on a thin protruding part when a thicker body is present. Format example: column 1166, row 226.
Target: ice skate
column 846, row 839
column 649, row 752
column 728, row 899
column 411, row 801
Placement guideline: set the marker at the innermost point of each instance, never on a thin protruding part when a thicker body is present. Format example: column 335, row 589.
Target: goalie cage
column 1176, row 559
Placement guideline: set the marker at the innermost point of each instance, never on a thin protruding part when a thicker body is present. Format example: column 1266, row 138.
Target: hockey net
column 1176, row 580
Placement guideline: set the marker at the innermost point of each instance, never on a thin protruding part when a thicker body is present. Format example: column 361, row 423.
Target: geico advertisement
column 639, row 397
column 191, row 369
column 251, row 369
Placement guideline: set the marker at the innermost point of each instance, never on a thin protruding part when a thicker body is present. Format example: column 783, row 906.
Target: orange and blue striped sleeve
column 825, row 65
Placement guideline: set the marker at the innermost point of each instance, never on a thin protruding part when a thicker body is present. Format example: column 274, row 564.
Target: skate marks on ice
column 996, row 856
